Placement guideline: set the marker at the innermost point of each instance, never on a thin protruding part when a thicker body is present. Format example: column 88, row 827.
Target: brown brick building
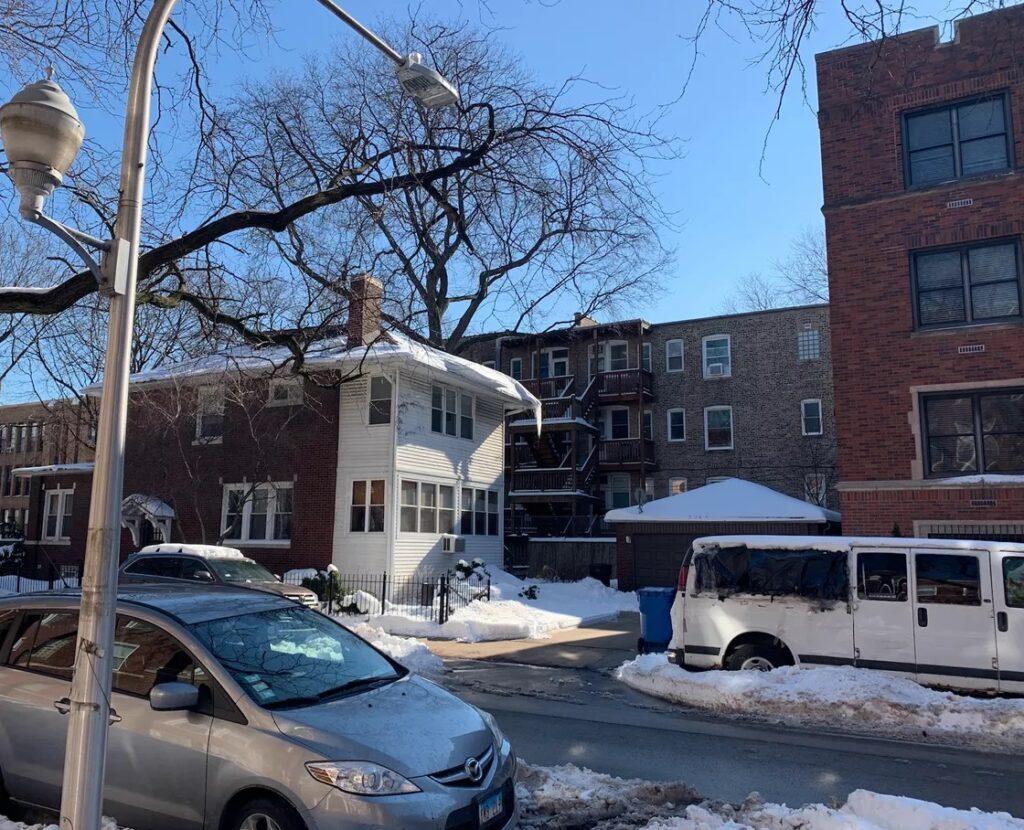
column 924, row 213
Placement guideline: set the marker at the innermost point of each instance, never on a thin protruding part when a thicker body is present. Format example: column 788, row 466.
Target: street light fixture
column 42, row 134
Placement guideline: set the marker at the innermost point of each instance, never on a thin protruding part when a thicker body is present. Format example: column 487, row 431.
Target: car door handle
column 1002, row 621
column 922, row 617
column 64, row 706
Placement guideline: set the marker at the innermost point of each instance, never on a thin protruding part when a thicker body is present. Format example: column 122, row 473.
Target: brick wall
column 880, row 512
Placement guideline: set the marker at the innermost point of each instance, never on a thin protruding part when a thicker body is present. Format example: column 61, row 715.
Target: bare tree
column 799, row 278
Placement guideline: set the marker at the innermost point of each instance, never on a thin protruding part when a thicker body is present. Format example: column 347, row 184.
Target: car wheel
column 757, row 657
column 266, row 814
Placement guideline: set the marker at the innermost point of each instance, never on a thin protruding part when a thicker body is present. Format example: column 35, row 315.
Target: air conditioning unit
column 451, row 543
column 716, row 370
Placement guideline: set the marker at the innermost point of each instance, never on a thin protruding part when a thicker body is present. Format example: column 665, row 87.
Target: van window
column 944, row 579
column 808, row 573
column 1013, row 582
column 882, row 576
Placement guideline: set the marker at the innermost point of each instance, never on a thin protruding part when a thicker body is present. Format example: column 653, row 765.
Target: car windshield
column 240, row 570
column 293, row 656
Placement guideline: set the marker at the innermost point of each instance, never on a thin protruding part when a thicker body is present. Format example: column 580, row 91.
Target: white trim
column 295, row 391
column 668, row 425
column 368, row 504
column 803, row 418
column 606, row 418
column 732, row 428
column 244, row 539
column 370, row 399
column 682, row 355
column 726, row 367
column 62, row 534
column 511, row 370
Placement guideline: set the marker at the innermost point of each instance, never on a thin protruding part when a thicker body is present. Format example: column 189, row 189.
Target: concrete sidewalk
column 602, row 645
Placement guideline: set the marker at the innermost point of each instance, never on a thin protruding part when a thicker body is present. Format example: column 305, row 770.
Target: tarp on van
column 811, row 574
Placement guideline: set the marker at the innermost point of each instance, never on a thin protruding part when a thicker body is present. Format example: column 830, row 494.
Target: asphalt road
column 559, row 716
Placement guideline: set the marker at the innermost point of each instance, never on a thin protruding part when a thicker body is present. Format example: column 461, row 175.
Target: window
column 145, row 656
column 674, row 356
column 648, row 425
column 554, row 363
column 946, row 579
column 608, row 357
column 617, row 491
column 285, row 392
column 479, row 512
column 816, row 488
column 618, row 357
column 6, row 622
column 57, row 526
column 882, row 576
column 257, row 513
column 209, row 414
column 808, row 343
column 645, row 356
column 46, row 642
column 972, row 284
column 1013, row 584
column 717, row 356
column 718, row 428
column 427, row 507
column 676, row 486
column 616, row 423
column 676, row 424
column 165, row 566
column 515, row 368
column 367, row 507
column 451, row 412
column 810, row 417
column 380, row 400
column 956, row 141
column 973, row 432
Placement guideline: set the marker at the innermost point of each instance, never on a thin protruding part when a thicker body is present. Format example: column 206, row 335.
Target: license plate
column 491, row 807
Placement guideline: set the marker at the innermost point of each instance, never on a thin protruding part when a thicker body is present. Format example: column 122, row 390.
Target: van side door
column 954, row 624
column 883, row 617
column 1008, row 599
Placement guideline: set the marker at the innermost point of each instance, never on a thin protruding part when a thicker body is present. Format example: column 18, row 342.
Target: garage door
column 658, row 558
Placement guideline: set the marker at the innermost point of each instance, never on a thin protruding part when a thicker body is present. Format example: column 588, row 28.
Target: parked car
column 240, row 710
column 944, row 612
column 209, row 563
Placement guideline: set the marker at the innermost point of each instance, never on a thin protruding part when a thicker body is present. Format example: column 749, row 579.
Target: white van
column 943, row 612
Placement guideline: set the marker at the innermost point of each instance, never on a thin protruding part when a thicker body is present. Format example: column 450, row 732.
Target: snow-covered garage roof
column 732, row 500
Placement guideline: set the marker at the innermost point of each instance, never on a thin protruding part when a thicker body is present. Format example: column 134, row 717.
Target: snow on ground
column 511, row 615
column 410, row 653
column 570, row 797
column 841, row 696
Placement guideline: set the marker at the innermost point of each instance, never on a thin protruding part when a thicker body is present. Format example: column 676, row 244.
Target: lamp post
column 42, row 134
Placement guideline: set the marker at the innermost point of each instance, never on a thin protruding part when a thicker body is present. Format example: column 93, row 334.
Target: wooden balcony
column 625, row 453
column 625, row 384
column 561, row 408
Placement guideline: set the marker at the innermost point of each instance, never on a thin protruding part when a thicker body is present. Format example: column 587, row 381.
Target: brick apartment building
column 924, row 213
column 664, row 408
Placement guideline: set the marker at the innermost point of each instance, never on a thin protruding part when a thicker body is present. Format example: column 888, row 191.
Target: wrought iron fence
column 427, row 597
column 20, row 575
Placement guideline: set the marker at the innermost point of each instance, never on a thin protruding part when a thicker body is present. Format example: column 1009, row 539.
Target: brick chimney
column 365, row 297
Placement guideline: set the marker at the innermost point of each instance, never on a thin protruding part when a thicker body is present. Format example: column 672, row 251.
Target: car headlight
column 499, row 736
column 361, row 778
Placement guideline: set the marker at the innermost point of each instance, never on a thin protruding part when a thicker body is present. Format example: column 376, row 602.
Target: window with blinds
column 971, row 284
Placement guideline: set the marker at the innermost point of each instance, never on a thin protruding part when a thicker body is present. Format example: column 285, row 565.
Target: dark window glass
column 975, row 432
column 145, row 656
column 619, row 423
column 46, row 643
column 882, row 576
column 492, row 513
column 466, row 416
column 967, row 285
column 6, row 621
column 959, row 140
column 466, row 522
column 380, row 400
column 195, row 569
column 168, row 566
column 945, row 579
column 450, row 408
column 1013, row 581
column 437, row 409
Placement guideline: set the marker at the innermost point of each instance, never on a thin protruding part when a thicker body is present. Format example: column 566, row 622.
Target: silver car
column 240, row 710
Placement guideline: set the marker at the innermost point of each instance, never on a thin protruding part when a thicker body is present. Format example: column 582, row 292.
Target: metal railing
column 19, row 575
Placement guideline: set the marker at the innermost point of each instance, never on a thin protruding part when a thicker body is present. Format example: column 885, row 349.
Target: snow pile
column 511, row 613
column 858, row 699
column 559, row 798
column 5, row 824
column 410, row 653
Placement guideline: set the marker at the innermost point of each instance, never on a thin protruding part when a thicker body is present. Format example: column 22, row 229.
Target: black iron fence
column 21, row 574
column 427, row 597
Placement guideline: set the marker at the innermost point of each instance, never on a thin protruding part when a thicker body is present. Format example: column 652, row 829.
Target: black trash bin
column 601, row 572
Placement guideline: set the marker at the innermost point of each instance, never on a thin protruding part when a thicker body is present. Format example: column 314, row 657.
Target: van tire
column 757, row 657
column 265, row 813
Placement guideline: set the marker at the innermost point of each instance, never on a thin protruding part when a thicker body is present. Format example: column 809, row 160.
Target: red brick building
column 924, row 212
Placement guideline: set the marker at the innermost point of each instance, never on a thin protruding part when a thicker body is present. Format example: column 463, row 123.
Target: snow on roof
column 206, row 551
column 844, row 543
column 732, row 500
column 48, row 469
column 391, row 350
column 150, row 505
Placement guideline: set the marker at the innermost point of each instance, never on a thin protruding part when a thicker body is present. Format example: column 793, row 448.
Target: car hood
column 281, row 588
column 410, row 726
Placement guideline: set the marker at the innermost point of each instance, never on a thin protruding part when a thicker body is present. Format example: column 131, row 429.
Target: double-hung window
column 367, row 506
column 515, row 368
column 451, row 412
column 209, row 414
column 380, row 400
column 718, row 428
column 258, row 513
column 479, row 512
column 676, row 419
column 973, row 432
column 427, row 507
column 617, row 423
column 645, row 356
column 810, row 417
column 717, row 356
column 58, row 505
column 674, row 356
column 970, row 284
column 956, row 141
column 554, row 363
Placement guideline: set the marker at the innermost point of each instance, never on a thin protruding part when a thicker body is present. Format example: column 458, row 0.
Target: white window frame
column 803, row 418
column 293, row 391
column 460, row 416
column 547, row 355
column 61, row 496
column 209, row 401
column 732, row 428
column 515, row 368
column 646, row 357
column 668, row 425
column 608, row 423
column 673, row 483
column 609, row 345
column 816, row 488
column 491, row 498
column 249, row 490
column 668, row 355
column 727, row 368
column 370, row 399
column 368, row 504
column 420, row 506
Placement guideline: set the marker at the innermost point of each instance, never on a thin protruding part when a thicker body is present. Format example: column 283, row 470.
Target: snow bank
column 569, row 797
column 512, row 615
column 842, row 696
column 410, row 653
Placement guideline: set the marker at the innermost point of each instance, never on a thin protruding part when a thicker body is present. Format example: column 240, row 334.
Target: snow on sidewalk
column 409, row 652
column 839, row 697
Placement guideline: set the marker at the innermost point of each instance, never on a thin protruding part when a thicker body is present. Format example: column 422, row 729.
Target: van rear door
column 954, row 622
column 1008, row 599
column 883, row 616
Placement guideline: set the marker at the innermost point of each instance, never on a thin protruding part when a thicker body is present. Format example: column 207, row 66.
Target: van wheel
column 266, row 814
column 757, row 657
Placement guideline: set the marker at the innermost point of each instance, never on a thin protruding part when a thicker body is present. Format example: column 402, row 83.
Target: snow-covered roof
column 206, row 551
column 732, row 500
column 150, row 505
column 844, row 543
column 49, row 469
column 391, row 350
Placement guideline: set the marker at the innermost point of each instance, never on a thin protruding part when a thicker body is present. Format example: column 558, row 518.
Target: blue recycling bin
column 655, row 618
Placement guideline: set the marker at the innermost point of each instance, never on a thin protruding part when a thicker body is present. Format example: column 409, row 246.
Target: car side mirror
column 203, row 576
column 173, row 697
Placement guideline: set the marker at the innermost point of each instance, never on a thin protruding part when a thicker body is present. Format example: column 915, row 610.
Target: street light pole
column 42, row 134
